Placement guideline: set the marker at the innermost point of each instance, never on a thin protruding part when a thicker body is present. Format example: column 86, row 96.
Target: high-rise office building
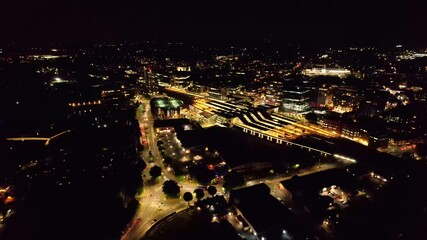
column 274, row 92
column 150, row 82
column 295, row 98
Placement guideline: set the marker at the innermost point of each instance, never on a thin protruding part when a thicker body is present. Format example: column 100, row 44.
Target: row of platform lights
column 84, row 103
column 253, row 132
column 302, row 146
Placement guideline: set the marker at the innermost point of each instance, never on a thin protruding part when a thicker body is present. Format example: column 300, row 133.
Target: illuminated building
column 117, row 97
column 345, row 100
column 371, row 108
column 166, row 107
column 333, row 125
column 181, row 79
column 199, row 88
column 295, row 99
column 411, row 55
column 324, row 71
column 274, row 92
column 324, row 98
column 227, row 58
column 219, row 92
column 349, row 131
column 253, row 90
column 183, row 69
column 150, row 82
column 378, row 141
column 59, row 81
column 45, row 57
column 406, row 119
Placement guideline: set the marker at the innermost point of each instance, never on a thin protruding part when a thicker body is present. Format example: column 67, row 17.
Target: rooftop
column 264, row 213
column 168, row 103
column 313, row 183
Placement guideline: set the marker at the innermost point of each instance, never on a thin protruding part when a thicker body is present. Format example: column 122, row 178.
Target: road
column 278, row 178
column 153, row 203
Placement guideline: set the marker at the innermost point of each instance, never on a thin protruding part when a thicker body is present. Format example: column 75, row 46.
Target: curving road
column 153, row 203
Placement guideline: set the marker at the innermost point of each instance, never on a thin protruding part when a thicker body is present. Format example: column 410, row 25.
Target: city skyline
column 242, row 120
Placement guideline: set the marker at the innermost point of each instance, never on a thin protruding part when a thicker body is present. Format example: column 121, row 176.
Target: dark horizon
column 309, row 22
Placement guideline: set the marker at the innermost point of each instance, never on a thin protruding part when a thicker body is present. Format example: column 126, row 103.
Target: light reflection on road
column 153, row 203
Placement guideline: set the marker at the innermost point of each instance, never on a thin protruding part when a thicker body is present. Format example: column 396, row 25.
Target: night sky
column 312, row 21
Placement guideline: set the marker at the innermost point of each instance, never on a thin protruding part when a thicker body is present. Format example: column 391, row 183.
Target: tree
column 167, row 160
column 132, row 182
column 188, row 197
column 155, row 171
column 171, row 188
column 161, row 148
column 159, row 143
column 132, row 206
column 199, row 193
column 141, row 165
column 212, row 190
column 202, row 174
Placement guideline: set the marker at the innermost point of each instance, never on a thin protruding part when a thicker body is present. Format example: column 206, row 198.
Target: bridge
column 45, row 139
